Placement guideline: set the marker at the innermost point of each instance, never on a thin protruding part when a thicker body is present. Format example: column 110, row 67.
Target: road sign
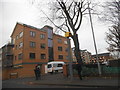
column 68, row 34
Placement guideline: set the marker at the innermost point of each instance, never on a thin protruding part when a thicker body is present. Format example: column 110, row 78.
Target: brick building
column 86, row 56
column 6, row 55
column 35, row 46
column 103, row 57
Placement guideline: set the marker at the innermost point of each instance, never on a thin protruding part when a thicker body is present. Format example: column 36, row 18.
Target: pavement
column 59, row 80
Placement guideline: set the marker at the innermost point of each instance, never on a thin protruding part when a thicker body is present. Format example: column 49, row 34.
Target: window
column 65, row 42
column 32, row 33
column 13, row 40
column 50, row 43
column 43, row 56
column 20, row 56
column 59, row 65
column 55, row 65
column 60, row 56
column 50, row 33
column 59, row 48
column 21, row 34
column 17, row 37
column 20, row 44
column 42, row 36
column 59, row 40
column 32, row 44
column 32, row 55
column 42, row 46
column 49, row 66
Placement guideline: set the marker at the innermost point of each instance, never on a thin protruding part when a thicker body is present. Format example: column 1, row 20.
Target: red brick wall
column 26, row 71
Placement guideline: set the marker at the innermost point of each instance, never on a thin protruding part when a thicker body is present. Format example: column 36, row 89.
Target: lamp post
column 70, row 58
column 99, row 68
column 67, row 35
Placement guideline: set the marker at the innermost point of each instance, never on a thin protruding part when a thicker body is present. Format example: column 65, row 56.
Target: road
column 52, row 83
column 22, row 83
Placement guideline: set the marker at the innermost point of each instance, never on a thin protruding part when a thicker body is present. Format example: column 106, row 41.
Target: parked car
column 55, row 66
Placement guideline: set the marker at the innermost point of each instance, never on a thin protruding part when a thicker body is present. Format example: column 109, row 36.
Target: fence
column 92, row 70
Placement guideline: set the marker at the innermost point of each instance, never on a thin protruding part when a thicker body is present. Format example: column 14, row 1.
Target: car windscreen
column 59, row 65
column 49, row 66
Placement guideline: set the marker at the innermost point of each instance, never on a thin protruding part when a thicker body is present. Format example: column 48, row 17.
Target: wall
column 25, row 71
column 16, row 50
column 64, row 46
column 37, row 50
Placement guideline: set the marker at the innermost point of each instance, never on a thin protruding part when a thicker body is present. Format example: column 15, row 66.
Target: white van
column 55, row 66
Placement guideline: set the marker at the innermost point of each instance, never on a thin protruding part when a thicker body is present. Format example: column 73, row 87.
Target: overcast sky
column 12, row 11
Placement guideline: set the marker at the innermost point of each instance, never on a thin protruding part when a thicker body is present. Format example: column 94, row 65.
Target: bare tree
column 112, row 12
column 113, row 39
column 112, row 15
column 67, row 16
column 70, row 14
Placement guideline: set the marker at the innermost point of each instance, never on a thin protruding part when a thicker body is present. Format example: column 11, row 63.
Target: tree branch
column 79, row 22
column 74, row 13
column 70, row 6
column 78, row 13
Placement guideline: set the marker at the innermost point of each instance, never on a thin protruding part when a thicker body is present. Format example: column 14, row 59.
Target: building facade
column 86, row 56
column 103, row 57
column 30, row 45
column 35, row 46
column 60, row 48
column 6, row 55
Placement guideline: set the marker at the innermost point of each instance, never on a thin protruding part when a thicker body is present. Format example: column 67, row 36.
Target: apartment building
column 60, row 48
column 6, row 55
column 34, row 46
column 86, row 56
column 102, row 57
column 30, row 45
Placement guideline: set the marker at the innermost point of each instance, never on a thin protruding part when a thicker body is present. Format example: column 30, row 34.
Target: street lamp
column 67, row 35
column 99, row 68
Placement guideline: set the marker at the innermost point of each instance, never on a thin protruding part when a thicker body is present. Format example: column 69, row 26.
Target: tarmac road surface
column 59, row 81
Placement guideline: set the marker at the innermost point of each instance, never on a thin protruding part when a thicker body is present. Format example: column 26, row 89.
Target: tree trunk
column 77, row 54
column 77, row 49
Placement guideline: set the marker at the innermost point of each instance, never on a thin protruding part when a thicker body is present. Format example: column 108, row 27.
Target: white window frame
column 32, row 33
